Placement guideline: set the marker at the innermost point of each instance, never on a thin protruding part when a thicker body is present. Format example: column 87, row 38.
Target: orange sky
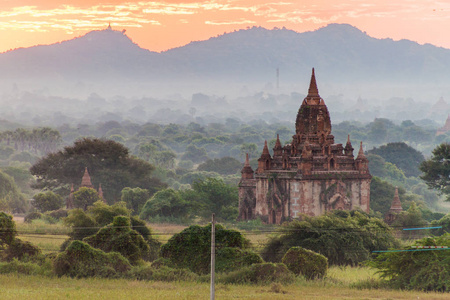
column 160, row 25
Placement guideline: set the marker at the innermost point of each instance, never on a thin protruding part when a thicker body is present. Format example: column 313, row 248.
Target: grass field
column 34, row 287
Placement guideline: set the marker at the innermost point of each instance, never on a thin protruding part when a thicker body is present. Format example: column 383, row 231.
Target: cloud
column 231, row 22
column 138, row 13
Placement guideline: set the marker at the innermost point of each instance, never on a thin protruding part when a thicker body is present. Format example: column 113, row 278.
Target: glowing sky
column 160, row 25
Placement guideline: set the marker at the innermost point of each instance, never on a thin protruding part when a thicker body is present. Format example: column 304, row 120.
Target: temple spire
column 396, row 204
column 313, row 91
column 86, row 180
column 278, row 143
column 247, row 171
column 266, row 149
column 361, row 152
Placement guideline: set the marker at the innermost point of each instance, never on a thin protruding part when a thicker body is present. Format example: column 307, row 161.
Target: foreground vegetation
column 336, row 287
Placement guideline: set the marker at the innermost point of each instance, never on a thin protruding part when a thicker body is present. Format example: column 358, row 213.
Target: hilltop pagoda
column 311, row 175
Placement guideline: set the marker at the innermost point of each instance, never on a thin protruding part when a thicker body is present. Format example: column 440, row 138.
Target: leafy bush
column 162, row 262
column 104, row 214
column 82, row 224
column 306, row 262
column 85, row 197
column 81, row 260
column 47, row 201
column 58, row 214
column 344, row 238
column 119, row 237
column 15, row 266
column 191, row 248
column 259, row 274
column 229, row 259
column 18, row 249
column 166, row 203
column 32, row 216
column 7, row 229
column 162, row 273
column 444, row 222
column 419, row 270
column 87, row 223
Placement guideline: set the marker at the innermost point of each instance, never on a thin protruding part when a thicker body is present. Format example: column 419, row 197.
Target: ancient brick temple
column 311, row 175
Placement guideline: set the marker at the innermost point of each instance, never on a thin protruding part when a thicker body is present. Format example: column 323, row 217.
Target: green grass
column 36, row 287
column 41, row 227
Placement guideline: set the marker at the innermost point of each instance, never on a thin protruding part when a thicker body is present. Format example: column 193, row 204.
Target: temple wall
column 262, row 187
column 305, row 195
column 365, row 195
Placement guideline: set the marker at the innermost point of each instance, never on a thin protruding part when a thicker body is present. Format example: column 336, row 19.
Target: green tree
column 85, row 197
column 345, row 238
column 108, row 162
column 418, row 270
column 10, row 195
column 212, row 195
column 135, row 198
column 436, row 170
column 120, row 237
column 195, row 154
column 409, row 219
column 224, row 165
column 87, row 223
column 22, row 177
column 382, row 194
column 166, row 203
column 250, row 148
column 47, row 201
column 191, row 248
column 378, row 131
column 7, row 229
column 403, row 156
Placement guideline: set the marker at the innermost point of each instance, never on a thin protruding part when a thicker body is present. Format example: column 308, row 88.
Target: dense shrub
column 258, row 274
column 87, row 223
column 444, row 222
column 15, row 266
column 103, row 214
column 426, row 270
column 162, row 273
column 82, row 224
column 119, row 237
column 81, row 260
column 47, row 201
column 162, row 262
column 32, row 216
column 308, row 263
column 191, row 248
column 229, row 259
column 58, row 214
column 7, row 229
column 19, row 249
column 344, row 238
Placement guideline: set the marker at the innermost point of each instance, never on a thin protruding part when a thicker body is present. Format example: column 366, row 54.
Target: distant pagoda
column 85, row 182
column 396, row 208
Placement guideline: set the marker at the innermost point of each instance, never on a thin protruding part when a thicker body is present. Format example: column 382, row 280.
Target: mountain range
column 344, row 57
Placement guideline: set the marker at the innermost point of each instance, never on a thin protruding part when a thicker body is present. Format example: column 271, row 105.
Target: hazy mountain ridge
column 341, row 53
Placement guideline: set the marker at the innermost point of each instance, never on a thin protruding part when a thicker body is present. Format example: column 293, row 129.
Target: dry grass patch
column 35, row 287
column 164, row 231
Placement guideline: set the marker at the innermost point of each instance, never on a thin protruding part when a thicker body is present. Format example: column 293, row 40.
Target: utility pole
column 213, row 255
